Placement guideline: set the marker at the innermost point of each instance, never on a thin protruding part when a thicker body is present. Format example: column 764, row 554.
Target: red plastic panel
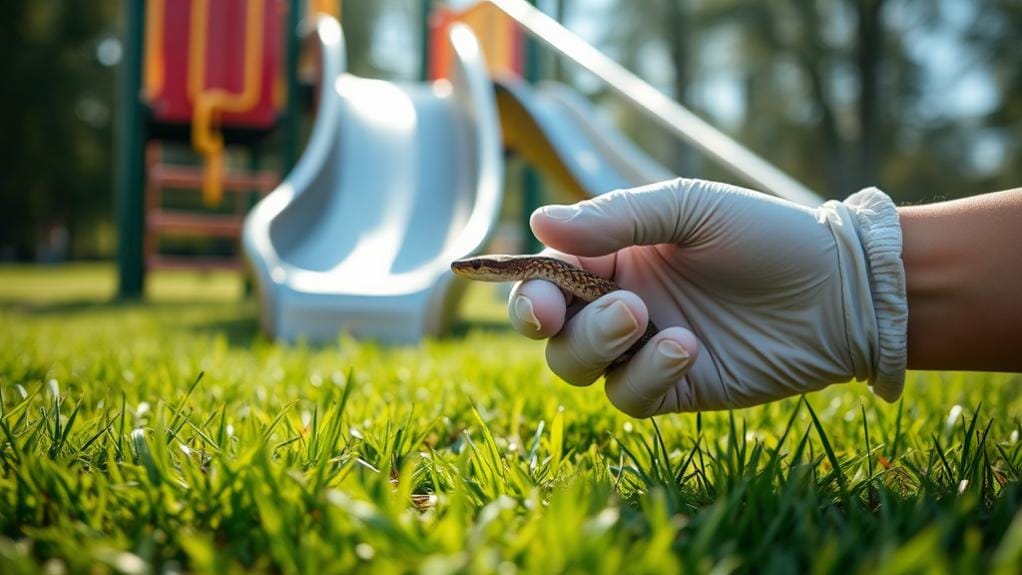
column 224, row 61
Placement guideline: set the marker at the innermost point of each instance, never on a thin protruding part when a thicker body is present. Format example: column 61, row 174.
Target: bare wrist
column 930, row 285
column 963, row 280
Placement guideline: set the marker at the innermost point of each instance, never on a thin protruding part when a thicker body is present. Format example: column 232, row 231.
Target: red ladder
column 161, row 221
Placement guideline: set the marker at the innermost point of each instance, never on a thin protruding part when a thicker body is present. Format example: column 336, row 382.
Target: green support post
column 130, row 167
column 292, row 112
column 251, row 198
column 532, row 185
column 427, row 9
column 558, row 73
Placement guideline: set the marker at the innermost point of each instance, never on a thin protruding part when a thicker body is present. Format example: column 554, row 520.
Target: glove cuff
column 879, row 231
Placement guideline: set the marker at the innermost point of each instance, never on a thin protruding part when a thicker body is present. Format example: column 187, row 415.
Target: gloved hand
column 757, row 298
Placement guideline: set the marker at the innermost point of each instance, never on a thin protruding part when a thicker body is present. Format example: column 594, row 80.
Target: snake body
column 582, row 284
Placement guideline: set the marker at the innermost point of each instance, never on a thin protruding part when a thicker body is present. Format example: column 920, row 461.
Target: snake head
column 465, row 267
column 487, row 268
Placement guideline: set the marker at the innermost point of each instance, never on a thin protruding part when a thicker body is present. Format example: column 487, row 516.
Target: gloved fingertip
column 651, row 382
column 673, row 354
column 536, row 309
column 523, row 315
column 615, row 322
column 569, row 229
column 557, row 212
column 687, row 341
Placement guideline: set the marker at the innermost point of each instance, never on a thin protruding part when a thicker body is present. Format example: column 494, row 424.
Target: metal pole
column 427, row 9
column 130, row 168
column 251, row 198
column 292, row 111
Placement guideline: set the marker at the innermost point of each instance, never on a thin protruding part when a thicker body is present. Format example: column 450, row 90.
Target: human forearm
column 963, row 266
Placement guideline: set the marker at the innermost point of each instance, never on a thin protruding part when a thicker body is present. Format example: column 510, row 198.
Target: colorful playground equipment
column 206, row 73
column 398, row 180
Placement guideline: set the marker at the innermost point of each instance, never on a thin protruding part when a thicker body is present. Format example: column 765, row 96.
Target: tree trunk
column 678, row 35
column 811, row 54
column 869, row 54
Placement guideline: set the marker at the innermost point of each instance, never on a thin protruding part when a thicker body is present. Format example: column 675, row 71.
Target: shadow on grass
column 460, row 329
column 239, row 332
column 236, row 321
column 83, row 305
column 68, row 307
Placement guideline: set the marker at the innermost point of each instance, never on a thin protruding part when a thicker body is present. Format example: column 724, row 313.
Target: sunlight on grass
column 171, row 436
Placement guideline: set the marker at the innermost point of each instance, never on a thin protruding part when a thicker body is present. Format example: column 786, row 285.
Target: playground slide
column 395, row 182
column 557, row 129
column 399, row 180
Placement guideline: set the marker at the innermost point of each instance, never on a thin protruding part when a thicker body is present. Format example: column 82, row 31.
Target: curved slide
column 399, row 180
column 395, row 182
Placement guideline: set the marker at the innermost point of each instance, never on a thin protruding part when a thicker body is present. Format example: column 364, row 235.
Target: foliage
column 57, row 102
column 994, row 33
column 170, row 437
column 833, row 91
column 840, row 93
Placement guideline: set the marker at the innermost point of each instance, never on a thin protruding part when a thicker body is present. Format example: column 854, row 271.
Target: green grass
column 171, row 437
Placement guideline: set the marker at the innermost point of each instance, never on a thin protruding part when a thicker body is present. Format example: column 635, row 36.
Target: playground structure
column 397, row 180
column 212, row 75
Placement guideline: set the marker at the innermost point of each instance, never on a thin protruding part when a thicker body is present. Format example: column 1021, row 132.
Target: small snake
column 582, row 284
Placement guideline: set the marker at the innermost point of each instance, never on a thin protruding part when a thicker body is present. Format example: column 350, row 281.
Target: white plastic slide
column 395, row 183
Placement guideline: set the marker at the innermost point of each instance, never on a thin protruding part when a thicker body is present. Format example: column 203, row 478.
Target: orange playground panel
column 500, row 39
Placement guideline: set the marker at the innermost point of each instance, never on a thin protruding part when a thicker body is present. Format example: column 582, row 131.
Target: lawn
column 169, row 436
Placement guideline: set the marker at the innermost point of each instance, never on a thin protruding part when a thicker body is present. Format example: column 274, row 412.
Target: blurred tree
column 56, row 145
column 831, row 90
column 383, row 37
column 359, row 18
column 666, row 27
column 995, row 35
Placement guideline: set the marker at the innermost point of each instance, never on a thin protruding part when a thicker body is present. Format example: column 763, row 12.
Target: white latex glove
column 757, row 298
